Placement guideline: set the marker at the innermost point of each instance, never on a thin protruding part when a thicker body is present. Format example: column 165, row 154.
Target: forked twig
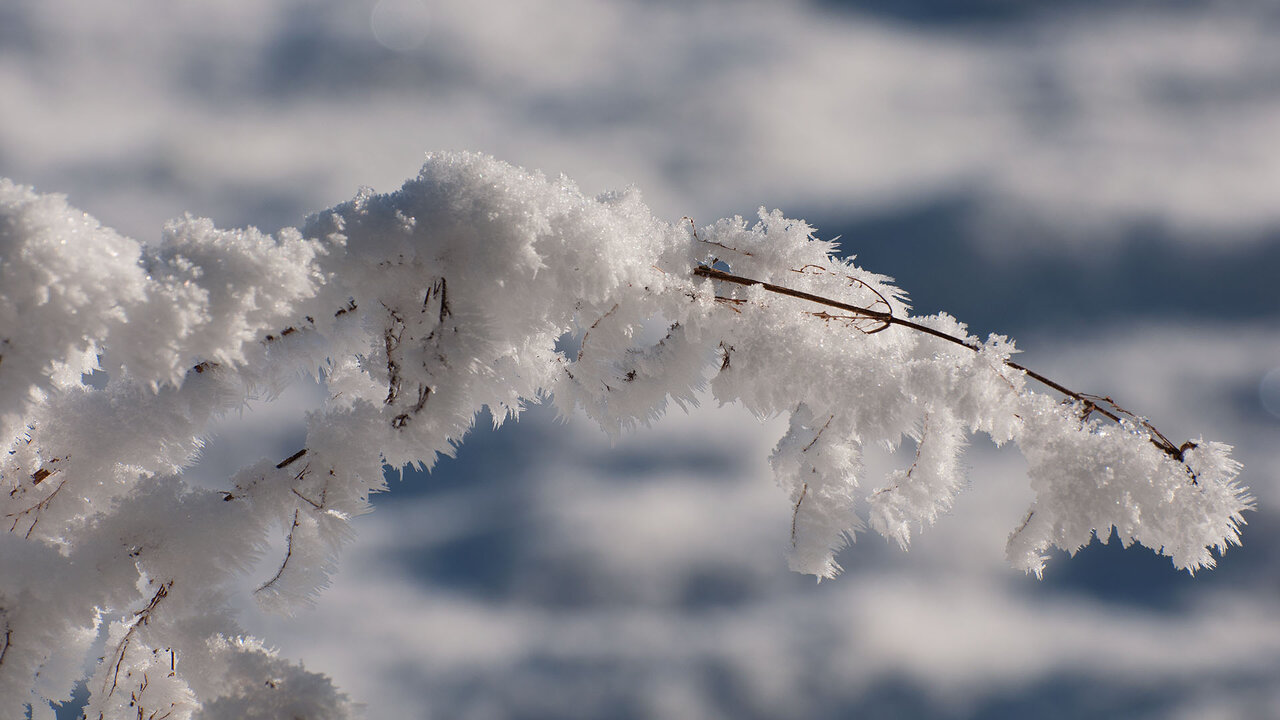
column 34, row 511
column 851, row 320
column 140, row 618
column 391, row 338
column 694, row 228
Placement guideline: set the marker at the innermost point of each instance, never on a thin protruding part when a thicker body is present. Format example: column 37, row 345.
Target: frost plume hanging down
column 419, row 308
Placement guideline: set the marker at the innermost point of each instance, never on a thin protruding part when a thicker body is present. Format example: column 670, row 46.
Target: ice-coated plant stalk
column 1089, row 403
column 421, row 307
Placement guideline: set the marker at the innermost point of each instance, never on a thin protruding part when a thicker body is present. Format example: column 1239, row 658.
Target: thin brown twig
column 880, row 298
column 402, row 419
column 821, row 430
column 288, row 553
column 140, row 618
column 289, row 460
column 851, row 321
column 1090, row 402
column 694, row 229
column 8, row 640
column 583, row 346
column 309, row 501
column 924, row 434
column 795, row 512
column 36, row 509
column 440, row 289
column 731, row 302
column 391, row 339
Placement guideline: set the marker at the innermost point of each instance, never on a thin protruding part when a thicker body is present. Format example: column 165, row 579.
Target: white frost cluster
column 419, row 308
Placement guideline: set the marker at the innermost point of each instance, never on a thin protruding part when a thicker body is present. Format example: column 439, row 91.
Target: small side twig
column 317, row 505
column 8, row 640
column 880, row 300
column 585, row 335
column 439, row 289
column 821, row 430
column 401, row 420
column 140, row 618
column 289, row 460
column 391, row 338
column 288, row 553
column 795, row 512
column 924, row 435
column 34, row 511
column 694, row 229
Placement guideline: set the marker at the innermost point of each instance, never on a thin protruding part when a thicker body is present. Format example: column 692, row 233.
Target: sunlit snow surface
column 1096, row 180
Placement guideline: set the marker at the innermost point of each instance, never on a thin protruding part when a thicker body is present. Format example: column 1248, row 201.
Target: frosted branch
column 183, row 331
column 1090, row 403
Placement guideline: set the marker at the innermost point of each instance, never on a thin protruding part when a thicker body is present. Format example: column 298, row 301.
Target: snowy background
column 1100, row 180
